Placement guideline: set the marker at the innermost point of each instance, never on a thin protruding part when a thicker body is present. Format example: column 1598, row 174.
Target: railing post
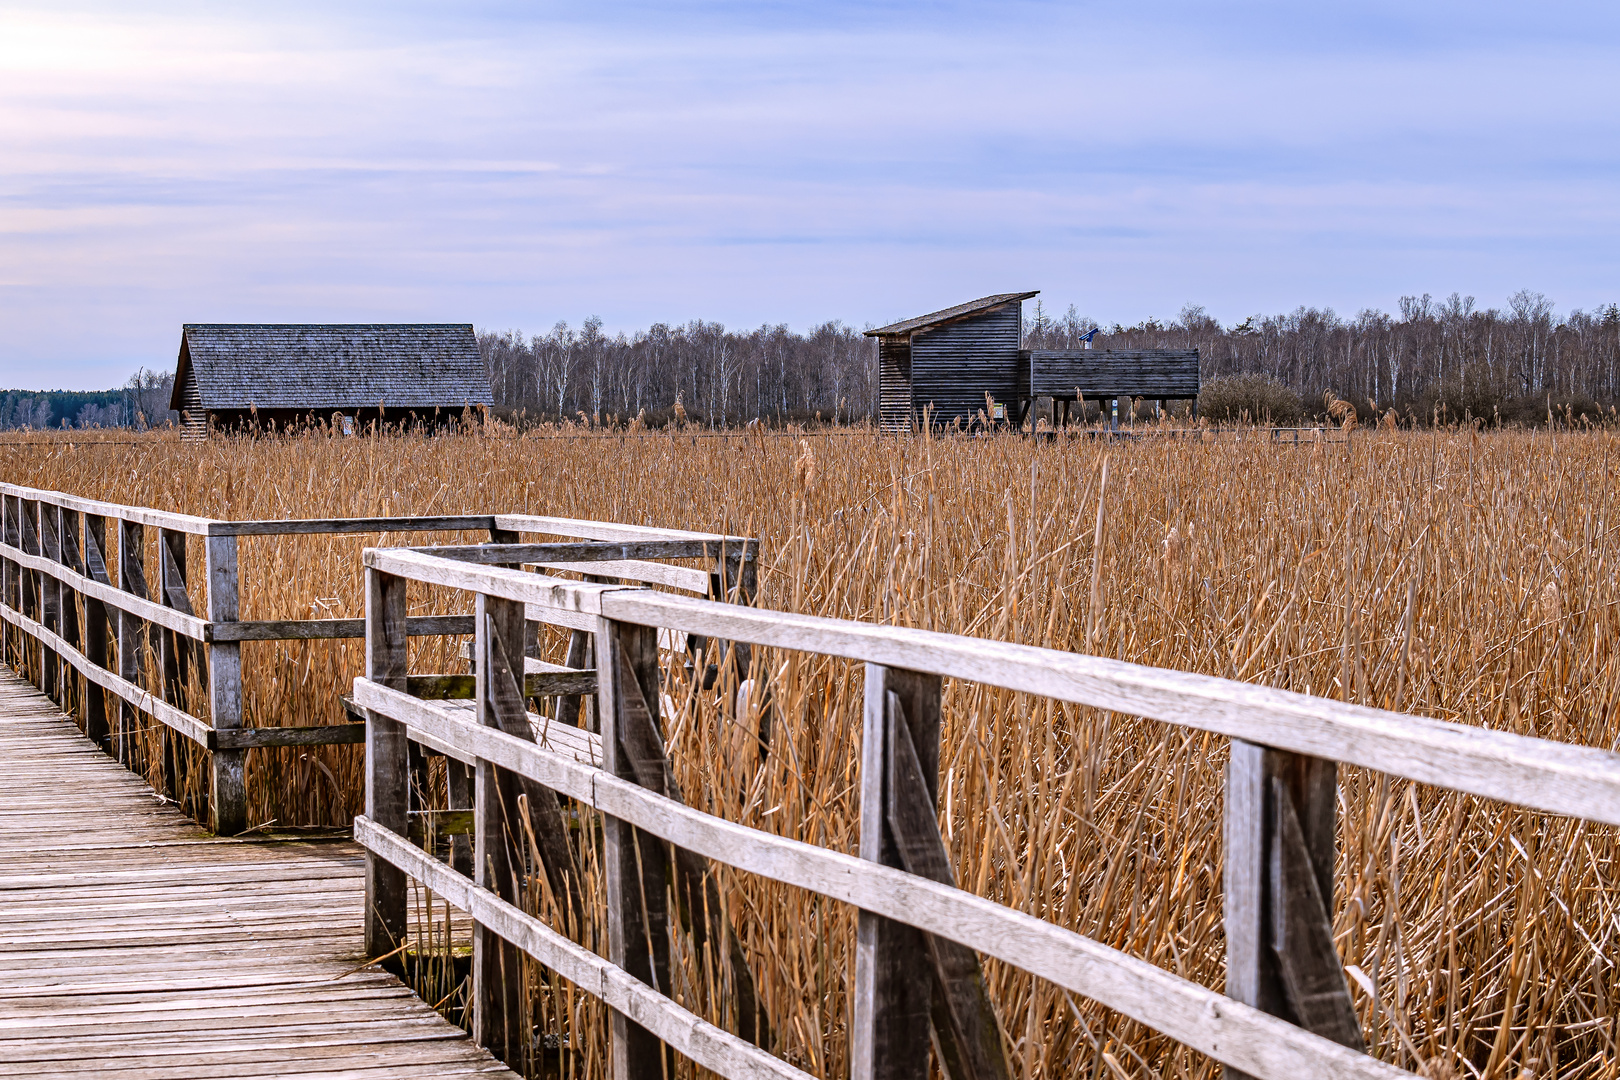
column 95, row 628
column 8, row 572
column 28, row 520
column 227, row 793
column 131, row 630
column 387, row 760
column 1281, row 820
column 174, row 650
column 50, row 602
column 893, row 975
column 67, row 534
column 500, row 1020
column 637, row 898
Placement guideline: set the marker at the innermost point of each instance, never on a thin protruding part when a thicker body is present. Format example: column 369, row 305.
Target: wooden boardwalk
column 134, row 944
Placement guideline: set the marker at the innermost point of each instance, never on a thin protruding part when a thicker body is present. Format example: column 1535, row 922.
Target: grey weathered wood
column 1209, row 1022
column 459, row 778
column 320, row 629
column 350, row 526
column 642, row 746
column 426, row 824
column 891, row 996
column 535, row 684
column 578, row 656
column 634, row 861
column 1537, row 773
column 1110, row 373
column 227, row 801
column 599, row 530
column 584, row 551
column 320, row 735
column 1268, row 887
column 174, row 653
column 128, row 692
column 944, row 365
column 1302, row 929
column 95, row 628
column 135, row 604
column 702, row 1042
column 162, row 519
column 655, row 573
column 131, row 629
column 500, row 1020
column 140, row 947
column 387, row 754
column 9, row 586
column 50, row 600
column 967, row 1034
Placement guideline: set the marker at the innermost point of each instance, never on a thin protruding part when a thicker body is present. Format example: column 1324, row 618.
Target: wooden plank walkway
column 134, row 944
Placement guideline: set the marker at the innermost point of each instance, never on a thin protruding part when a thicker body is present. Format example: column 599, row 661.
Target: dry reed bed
column 1458, row 576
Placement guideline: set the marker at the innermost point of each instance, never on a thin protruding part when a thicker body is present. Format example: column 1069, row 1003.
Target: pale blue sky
column 515, row 164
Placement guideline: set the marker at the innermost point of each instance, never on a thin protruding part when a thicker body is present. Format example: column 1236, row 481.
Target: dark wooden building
column 237, row 376
column 954, row 363
column 1067, row 375
column 942, row 365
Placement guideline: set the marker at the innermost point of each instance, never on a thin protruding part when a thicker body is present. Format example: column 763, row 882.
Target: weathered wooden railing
column 1286, row 1013
column 76, row 600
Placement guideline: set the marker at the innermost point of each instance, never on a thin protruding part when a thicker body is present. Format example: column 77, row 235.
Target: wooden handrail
column 56, row 557
column 1279, row 824
column 1577, row 781
column 1226, row 1030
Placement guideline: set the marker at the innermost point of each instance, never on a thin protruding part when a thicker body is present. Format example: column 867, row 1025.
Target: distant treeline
column 1444, row 361
column 142, row 402
column 1433, row 360
column 716, row 375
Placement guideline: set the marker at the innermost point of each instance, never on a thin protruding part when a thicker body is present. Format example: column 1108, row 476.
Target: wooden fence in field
column 79, row 606
column 1287, row 1011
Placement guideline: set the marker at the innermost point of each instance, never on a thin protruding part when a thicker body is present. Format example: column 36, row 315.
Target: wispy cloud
column 515, row 164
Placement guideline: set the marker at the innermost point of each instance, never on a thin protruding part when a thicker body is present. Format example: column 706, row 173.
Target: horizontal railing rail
column 1286, row 1012
column 85, row 604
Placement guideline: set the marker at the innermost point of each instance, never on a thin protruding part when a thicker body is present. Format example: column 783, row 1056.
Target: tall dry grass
column 1460, row 576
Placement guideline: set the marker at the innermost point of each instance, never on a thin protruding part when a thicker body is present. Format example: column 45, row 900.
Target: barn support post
column 227, row 802
column 1280, row 848
column 387, row 759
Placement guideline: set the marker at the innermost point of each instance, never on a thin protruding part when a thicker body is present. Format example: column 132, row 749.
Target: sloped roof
column 312, row 366
column 972, row 307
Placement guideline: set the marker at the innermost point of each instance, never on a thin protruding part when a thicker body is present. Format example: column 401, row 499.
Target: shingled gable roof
column 410, row 366
column 972, row 307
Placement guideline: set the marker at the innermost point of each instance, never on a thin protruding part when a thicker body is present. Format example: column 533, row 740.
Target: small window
column 348, row 425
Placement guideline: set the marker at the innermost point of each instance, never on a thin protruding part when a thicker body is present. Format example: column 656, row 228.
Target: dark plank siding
column 322, row 368
column 953, row 366
column 1099, row 373
column 894, row 384
column 193, row 419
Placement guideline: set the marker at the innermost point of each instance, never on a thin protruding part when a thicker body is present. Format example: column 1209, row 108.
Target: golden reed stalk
column 1460, row 576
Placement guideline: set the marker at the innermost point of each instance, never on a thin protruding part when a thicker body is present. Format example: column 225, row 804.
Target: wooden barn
column 240, row 376
column 955, row 363
column 943, row 364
